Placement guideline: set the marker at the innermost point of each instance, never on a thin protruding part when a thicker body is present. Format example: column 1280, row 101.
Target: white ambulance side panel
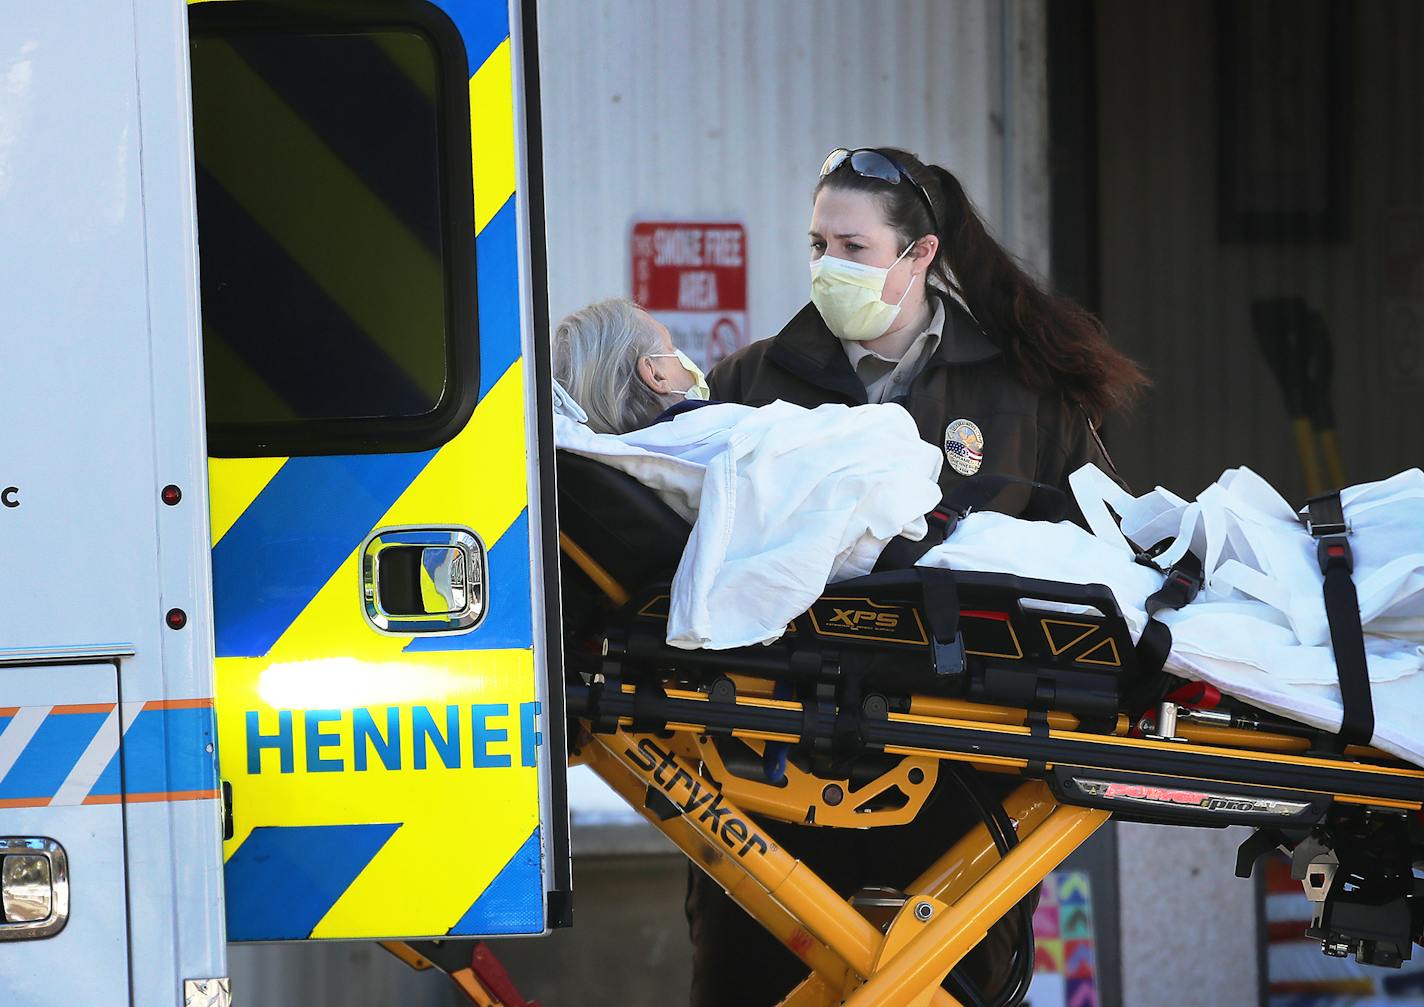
column 100, row 408
column 58, row 713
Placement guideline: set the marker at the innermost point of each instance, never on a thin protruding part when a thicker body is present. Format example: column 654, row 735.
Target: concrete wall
column 1188, row 925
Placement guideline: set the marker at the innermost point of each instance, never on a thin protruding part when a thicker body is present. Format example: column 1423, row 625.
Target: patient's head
column 619, row 364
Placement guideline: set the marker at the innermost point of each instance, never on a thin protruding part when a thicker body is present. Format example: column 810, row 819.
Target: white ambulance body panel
column 100, row 409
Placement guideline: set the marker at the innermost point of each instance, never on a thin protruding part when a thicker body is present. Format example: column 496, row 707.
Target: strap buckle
column 1188, row 583
column 1183, row 584
column 1332, row 552
column 1325, row 516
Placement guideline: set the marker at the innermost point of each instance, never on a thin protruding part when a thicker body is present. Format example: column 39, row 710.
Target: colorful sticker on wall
column 1065, row 969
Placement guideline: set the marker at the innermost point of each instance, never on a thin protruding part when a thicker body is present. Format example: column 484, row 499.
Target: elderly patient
column 618, row 362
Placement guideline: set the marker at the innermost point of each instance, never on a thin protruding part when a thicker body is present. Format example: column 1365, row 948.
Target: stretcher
column 894, row 686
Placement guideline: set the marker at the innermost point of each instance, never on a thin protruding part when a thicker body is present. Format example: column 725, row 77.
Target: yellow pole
column 972, row 857
column 735, row 882
column 734, row 836
column 944, row 941
column 1334, row 463
column 1309, row 463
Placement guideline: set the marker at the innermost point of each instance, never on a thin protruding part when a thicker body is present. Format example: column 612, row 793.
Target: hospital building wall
column 687, row 110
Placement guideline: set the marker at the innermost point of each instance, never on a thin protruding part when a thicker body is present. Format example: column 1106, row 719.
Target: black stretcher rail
column 1359, row 782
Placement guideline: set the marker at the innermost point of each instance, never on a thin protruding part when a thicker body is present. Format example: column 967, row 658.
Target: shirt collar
column 924, row 344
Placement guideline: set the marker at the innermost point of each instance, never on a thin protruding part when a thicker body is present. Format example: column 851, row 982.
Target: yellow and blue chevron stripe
column 387, row 786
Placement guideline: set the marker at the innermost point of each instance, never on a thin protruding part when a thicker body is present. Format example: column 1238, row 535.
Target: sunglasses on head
column 867, row 162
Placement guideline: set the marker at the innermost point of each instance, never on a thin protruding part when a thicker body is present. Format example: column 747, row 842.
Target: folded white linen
column 783, row 500
column 1246, row 645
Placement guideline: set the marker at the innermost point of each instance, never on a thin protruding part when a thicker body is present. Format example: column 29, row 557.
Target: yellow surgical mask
column 848, row 296
column 699, row 390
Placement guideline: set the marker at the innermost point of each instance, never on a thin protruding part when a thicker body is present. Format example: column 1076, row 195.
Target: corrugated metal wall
column 684, row 109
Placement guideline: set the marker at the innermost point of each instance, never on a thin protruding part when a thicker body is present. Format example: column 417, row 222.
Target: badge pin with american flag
column 964, row 446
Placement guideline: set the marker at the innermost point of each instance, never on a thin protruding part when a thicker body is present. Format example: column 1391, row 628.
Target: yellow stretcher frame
column 966, row 890
column 950, row 907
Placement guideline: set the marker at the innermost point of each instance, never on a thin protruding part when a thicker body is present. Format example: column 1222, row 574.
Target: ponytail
column 1050, row 341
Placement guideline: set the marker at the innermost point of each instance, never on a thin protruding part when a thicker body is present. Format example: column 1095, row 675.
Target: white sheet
column 784, row 500
column 1257, row 631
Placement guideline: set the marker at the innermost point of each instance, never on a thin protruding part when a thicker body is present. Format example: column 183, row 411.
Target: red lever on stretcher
column 1198, row 694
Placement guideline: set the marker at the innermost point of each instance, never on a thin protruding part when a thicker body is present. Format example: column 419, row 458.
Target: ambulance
column 274, row 456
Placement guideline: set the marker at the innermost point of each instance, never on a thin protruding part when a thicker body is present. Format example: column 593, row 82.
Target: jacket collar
column 806, row 348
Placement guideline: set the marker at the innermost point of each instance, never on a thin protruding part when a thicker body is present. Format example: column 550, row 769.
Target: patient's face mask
column 699, row 390
column 848, row 296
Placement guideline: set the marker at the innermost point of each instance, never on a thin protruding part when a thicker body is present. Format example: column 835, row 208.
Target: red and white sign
column 692, row 277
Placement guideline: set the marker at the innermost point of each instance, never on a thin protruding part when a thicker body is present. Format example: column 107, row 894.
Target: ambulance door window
column 336, row 232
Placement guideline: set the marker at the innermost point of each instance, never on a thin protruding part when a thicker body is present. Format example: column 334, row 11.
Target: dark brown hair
column 1052, row 342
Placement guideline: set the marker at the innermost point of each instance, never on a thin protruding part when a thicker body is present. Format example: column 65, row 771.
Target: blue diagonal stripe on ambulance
column 49, row 754
column 294, row 536
column 497, row 267
column 483, row 24
column 514, row 901
column 283, row 879
column 510, row 623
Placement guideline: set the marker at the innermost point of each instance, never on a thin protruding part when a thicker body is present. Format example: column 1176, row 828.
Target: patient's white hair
column 596, row 354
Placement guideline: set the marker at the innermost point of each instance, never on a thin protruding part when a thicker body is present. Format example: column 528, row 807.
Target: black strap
column 1184, row 581
column 1045, row 502
column 941, row 609
column 1325, row 517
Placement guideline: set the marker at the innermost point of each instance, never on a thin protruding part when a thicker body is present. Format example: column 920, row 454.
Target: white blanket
column 784, row 500
column 1257, row 631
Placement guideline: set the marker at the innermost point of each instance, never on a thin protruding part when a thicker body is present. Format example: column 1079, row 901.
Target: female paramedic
column 913, row 302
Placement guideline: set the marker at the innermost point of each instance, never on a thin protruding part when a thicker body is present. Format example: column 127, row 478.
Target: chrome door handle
column 34, row 888
column 424, row 580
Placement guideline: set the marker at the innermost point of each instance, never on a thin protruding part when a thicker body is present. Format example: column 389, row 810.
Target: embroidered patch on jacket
column 964, row 446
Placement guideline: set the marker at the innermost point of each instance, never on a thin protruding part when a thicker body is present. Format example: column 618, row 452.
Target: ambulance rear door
column 391, row 749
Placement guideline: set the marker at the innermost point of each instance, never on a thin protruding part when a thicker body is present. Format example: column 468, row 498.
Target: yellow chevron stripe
column 459, row 827
column 483, row 468
column 492, row 134
column 233, row 483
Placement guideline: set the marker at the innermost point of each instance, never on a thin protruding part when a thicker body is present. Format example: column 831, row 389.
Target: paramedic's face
column 664, row 374
column 851, row 225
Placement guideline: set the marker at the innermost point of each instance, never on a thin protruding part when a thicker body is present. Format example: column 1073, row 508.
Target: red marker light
column 176, row 618
column 171, row 495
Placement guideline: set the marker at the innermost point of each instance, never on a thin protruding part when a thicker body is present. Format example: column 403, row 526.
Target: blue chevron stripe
column 308, row 867
column 497, row 269
column 514, row 901
column 45, row 762
column 294, row 536
column 483, row 24
column 510, row 623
